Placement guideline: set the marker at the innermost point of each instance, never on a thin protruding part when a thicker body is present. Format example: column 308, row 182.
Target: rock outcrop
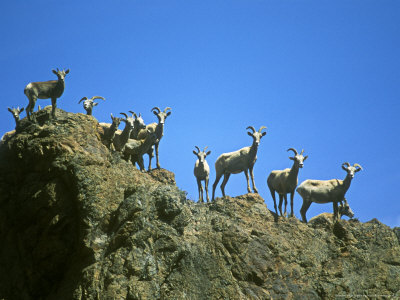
column 79, row 222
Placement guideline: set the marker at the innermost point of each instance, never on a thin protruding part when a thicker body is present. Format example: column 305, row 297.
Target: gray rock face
column 79, row 222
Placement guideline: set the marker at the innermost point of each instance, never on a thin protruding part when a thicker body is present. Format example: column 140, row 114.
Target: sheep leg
column 273, row 197
column 285, row 197
column 247, row 179
column 291, row 203
column 217, row 178
column 252, row 180
column 140, row 162
column 157, row 161
column 304, row 208
column 335, row 211
column 151, row 155
column 206, row 188
column 30, row 107
column 53, row 107
column 200, row 189
column 280, row 203
column 226, row 178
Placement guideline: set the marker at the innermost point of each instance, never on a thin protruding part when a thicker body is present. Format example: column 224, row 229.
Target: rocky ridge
column 79, row 222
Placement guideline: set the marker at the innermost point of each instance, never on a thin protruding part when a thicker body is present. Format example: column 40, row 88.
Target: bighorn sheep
column 238, row 161
column 135, row 149
column 202, row 171
column 325, row 191
column 16, row 113
column 88, row 104
column 109, row 131
column 158, row 129
column 43, row 90
column 138, row 125
column 121, row 138
column 285, row 181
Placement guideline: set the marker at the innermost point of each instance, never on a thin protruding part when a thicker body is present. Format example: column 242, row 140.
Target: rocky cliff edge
column 78, row 222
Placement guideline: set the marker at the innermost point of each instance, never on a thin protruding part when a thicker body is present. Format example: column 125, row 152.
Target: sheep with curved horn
column 242, row 160
column 202, row 171
column 43, row 90
column 121, row 138
column 325, row 191
column 285, row 181
column 88, row 104
column 158, row 129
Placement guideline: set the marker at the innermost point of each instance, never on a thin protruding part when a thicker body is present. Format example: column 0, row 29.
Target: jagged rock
column 79, row 222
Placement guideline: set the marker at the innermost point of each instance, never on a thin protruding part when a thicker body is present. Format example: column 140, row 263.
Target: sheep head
column 201, row 155
column 256, row 135
column 161, row 115
column 351, row 170
column 129, row 121
column 344, row 209
column 115, row 121
column 298, row 158
column 60, row 73
column 138, row 123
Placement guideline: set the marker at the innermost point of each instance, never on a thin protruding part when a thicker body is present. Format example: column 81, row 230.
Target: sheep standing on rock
column 202, row 171
column 158, row 129
column 88, row 104
column 325, row 191
column 109, row 131
column 239, row 161
column 43, row 90
column 285, row 181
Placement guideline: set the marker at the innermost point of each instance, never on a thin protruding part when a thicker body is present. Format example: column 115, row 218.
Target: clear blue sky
column 323, row 76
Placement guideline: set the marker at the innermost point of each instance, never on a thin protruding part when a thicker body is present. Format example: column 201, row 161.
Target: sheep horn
column 167, row 108
column 292, row 149
column 125, row 115
column 84, row 98
column 98, row 97
column 156, row 108
column 261, row 128
column 302, row 151
column 133, row 114
column 359, row 167
column 198, row 150
column 252, row 128
column 345, row 165
column 205, row 148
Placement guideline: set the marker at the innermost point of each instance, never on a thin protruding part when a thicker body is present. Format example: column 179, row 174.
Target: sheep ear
column 194, row 152
column 168, row 113
column 291, row 158
column 66, row 72
column 305, row 157
column 208, row 153
column 154, row 112
column 9, row 109
column 22, row 109
column 249, row 133
column 264, row 133
column 54, row 71
column 94, row 104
